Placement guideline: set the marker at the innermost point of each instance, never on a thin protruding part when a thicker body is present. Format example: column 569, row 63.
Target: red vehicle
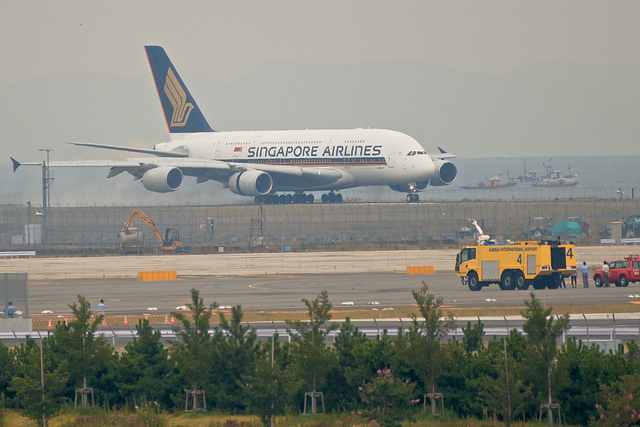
column 620, row 272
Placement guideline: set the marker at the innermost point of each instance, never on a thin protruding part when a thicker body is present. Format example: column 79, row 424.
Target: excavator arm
column 154, row 229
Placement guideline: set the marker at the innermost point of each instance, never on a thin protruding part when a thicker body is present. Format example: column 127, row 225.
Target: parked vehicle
column 621, row 272
column 514, row 265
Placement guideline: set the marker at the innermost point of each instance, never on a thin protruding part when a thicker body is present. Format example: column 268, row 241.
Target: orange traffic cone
column 104, row 322
column 166, row 318
column 173, row 321
column 50, row 326
column 66, row 322
column 125, row 323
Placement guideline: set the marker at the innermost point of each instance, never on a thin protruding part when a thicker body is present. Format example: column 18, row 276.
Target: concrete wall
column 16, row 324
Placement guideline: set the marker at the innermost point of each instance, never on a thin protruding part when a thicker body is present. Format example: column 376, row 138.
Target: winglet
column 180, row 109
column 16, row 163
column 441, row 150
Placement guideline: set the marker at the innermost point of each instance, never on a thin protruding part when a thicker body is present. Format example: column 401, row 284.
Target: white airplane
column 262, row 163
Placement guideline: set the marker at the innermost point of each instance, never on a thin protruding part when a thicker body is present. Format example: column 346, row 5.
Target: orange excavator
column 171, row 241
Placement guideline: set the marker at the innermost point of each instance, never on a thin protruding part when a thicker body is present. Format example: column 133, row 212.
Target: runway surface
column 285, row 292
column 273, row 282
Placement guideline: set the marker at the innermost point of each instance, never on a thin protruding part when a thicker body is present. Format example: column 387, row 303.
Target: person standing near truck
column 605, row 274
column 585, row 274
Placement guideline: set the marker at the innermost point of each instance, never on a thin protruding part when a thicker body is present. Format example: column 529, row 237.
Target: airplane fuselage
column 362, row 156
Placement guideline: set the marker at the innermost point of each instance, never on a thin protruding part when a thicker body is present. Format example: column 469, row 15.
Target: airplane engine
column 421, row 186
column 162, row 179
column 446, row 173
column 404, row 188
column 409, row 188
column 251, row 183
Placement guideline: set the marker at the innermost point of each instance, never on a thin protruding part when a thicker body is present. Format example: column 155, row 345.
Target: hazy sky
column 481, row 78
column 226, row 39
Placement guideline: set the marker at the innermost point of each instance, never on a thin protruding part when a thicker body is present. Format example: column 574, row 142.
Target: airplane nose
column 426, row 168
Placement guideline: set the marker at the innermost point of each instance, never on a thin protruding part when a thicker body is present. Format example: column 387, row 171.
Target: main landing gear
column 285, row 199
column 413, row 198
column 331, row 198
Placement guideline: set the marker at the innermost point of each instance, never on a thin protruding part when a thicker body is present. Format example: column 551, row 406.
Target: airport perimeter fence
column 607, row 330
column 94, row 230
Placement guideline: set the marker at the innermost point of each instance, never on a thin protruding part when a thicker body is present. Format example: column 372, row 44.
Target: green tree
column 472, row 337
column 342, row 389
column 387, row 399
column 27, row 384
column 234, row 354
column 543, row 332
column 144, row 370
column 265, row 389
column 88, row 354
column 313, row 360
column 192, row 354
column 620, row 404
column 7, row 371
column 423, row 351
column 501, row 390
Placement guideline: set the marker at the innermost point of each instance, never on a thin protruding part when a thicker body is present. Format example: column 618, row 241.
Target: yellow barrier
column 422, row 269
column 157, row 275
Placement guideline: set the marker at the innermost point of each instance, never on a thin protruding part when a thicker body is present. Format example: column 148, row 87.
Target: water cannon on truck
column 483, row 239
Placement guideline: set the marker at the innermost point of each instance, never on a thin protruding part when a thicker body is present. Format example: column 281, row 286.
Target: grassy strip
column 401, row 312
column 90, row 418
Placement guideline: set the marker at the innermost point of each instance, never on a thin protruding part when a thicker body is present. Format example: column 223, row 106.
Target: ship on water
column 554, row 178
column 528, row 175
column 491, row 183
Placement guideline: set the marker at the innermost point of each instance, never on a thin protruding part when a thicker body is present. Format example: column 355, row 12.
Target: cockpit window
column 411, row 153
column 467, row 254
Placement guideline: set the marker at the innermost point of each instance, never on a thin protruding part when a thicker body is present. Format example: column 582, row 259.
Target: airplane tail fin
column 16, row 164
column 180, row 109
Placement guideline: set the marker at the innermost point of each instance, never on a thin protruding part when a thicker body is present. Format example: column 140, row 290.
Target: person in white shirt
column 605, row 274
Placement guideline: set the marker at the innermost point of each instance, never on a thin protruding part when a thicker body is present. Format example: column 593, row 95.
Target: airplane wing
column 158, row 153
column 202, row 169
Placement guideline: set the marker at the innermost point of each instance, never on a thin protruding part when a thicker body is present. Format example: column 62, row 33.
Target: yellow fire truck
column 515, row 265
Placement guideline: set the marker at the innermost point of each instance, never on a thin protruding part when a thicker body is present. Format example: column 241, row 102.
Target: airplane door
column 390, row 160
column 218, row 152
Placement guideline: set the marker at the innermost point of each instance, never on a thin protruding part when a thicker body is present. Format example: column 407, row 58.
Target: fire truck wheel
column 472, row 281
column 539, row 283
column 507, row 283
column 521, row 283
column 623, row 281
column 554, row 281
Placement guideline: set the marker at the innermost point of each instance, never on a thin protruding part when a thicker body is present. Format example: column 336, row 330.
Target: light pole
column 46, row 196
